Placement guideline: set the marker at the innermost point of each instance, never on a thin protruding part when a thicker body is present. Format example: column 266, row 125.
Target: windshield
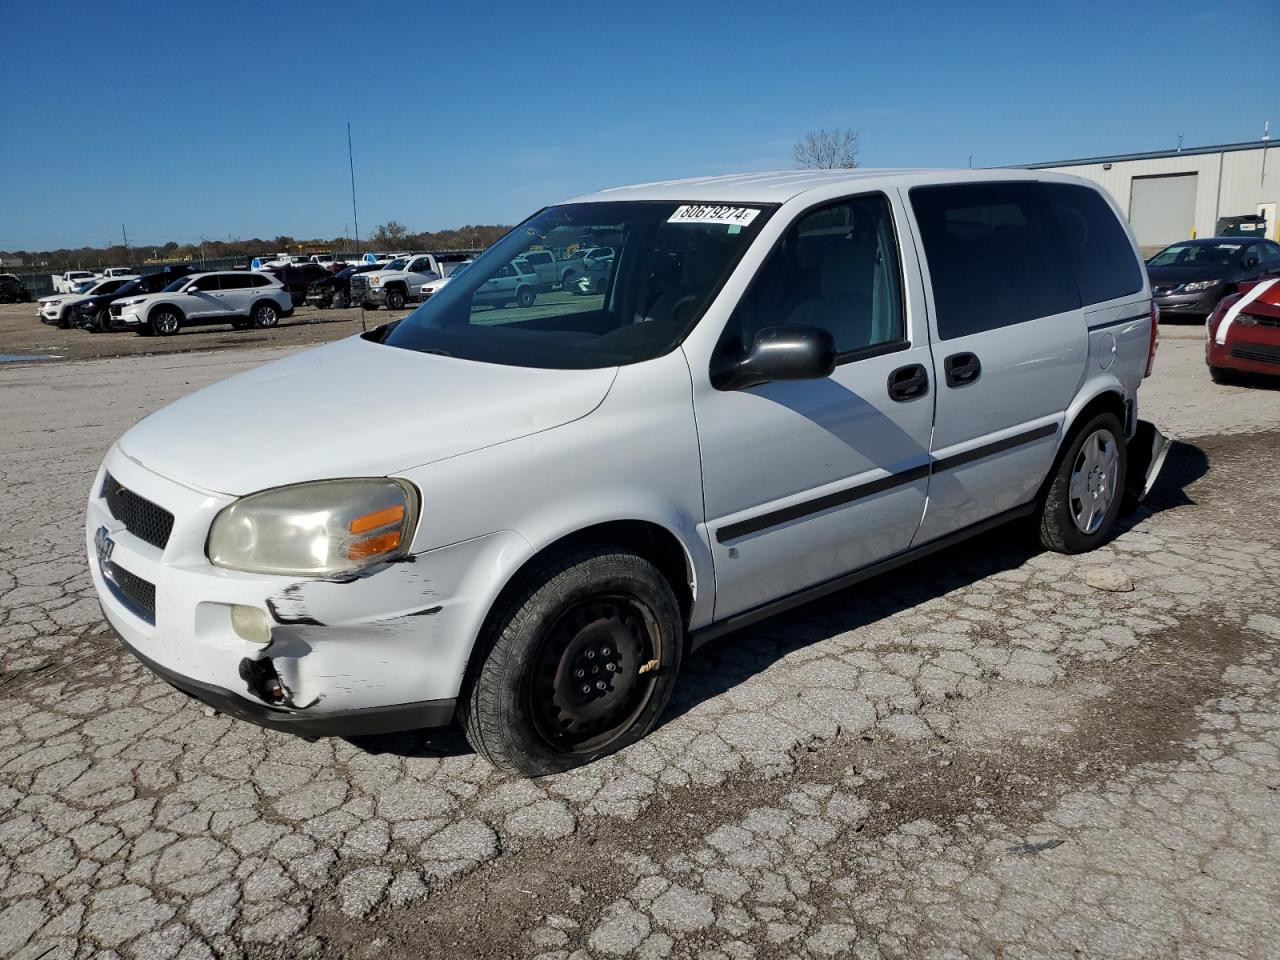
column 1197, row 255
column 131, row 286
column 669, row 260
column 397, row 264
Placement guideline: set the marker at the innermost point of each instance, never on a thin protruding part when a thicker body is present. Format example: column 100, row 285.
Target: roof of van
column 780, row 186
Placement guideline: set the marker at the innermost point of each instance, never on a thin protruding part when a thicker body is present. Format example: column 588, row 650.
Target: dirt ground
column 979, row 755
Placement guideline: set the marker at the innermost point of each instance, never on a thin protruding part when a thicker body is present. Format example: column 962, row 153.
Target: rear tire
column 1085, row 493
column 563, row 680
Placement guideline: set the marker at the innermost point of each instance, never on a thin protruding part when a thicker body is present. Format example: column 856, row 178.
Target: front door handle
column 908, row 383
column 962, row 369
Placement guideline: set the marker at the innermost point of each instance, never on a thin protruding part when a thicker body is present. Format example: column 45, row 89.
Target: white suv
column 243, row 299
column 784, row 384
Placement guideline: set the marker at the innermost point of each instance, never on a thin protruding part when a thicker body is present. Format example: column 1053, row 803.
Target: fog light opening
column 251, row 624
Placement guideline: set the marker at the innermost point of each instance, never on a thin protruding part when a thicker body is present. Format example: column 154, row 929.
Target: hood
column 1186, row 274
column 55, row 296
column 352, row 409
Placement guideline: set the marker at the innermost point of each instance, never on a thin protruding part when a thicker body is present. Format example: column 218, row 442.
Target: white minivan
column 524, row 515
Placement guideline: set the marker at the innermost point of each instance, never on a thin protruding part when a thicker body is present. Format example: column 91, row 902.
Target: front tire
column 1084, row 496
column 341, row 300
column 165, row 322
column 581, row 663
column 265, row 315
column 395, row 300
column 525, row 297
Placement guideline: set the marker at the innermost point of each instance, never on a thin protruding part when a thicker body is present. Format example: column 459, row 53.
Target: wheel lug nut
column 586, row 688
column 579, row 673
column 601, row 685
column 611, row 667
column 591, row 654
column 604, row 651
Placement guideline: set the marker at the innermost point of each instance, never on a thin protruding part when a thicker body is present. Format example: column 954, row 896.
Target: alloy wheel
column 1092, row 488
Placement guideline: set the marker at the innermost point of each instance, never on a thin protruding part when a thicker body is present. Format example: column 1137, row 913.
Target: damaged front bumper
column 381, row 650
column 303, row 722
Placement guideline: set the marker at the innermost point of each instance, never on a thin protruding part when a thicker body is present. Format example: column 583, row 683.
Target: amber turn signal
column 380, row 518
column 374, row 546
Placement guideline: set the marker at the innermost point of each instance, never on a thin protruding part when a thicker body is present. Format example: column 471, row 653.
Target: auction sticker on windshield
column 714, row 213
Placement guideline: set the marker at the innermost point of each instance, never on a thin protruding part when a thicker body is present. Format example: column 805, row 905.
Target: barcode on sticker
column 713, row 213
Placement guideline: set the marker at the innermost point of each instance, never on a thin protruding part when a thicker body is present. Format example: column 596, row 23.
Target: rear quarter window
column 995, row 255
column 1105, row 264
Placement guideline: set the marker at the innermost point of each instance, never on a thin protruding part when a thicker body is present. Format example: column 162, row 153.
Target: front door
column 807, row 480
column 202, row 301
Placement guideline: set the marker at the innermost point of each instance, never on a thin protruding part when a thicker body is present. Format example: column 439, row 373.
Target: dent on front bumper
column 373, row 652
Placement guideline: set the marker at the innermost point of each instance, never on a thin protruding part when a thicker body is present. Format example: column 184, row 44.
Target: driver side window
column 835, row 268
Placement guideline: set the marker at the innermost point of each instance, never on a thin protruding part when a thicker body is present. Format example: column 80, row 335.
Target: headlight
column 316, row 529
column 1199, row 285
column 131, row 303
column 1245, row 320
column 375, row 281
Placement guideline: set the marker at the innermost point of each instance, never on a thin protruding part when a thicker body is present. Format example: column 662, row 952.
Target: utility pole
column 127, row 255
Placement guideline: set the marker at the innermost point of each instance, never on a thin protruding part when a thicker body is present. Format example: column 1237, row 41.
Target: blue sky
column 230, row 118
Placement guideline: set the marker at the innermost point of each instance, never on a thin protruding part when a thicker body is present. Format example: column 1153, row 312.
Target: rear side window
column 235, row 281
column 1106, row 267
column 995, row 256
column 261, row 280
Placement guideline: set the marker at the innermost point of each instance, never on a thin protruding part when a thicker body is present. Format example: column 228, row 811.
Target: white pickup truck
column 401, row 280
column 69, row 280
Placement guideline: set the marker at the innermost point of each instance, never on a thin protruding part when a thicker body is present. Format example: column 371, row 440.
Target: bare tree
column 390, row 235
column 828, row 149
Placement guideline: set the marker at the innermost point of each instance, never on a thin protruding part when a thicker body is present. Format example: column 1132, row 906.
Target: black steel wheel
column 525, row 296
column 578, row 663
column 395, row 300
column 586, row 687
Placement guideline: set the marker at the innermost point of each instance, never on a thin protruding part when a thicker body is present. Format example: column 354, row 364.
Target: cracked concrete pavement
column 979, row 755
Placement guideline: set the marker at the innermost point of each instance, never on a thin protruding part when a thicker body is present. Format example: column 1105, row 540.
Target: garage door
column 1163, row 209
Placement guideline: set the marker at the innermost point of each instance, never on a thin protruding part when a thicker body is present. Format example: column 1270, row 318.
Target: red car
column 1244, row 332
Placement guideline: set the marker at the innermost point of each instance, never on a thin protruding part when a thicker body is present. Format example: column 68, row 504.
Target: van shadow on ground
column 735, row 658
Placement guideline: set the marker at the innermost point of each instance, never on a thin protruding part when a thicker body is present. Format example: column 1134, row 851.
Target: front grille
column 1258, row 352
column 134, row 592
column 359, row 286
column 116, row 309
column 140, row 516
column 1266, row 321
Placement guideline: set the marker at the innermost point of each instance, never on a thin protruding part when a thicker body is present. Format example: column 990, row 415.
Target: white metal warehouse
column 1176, row 194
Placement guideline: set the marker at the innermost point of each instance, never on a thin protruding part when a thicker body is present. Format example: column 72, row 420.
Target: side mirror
column 781, row 353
